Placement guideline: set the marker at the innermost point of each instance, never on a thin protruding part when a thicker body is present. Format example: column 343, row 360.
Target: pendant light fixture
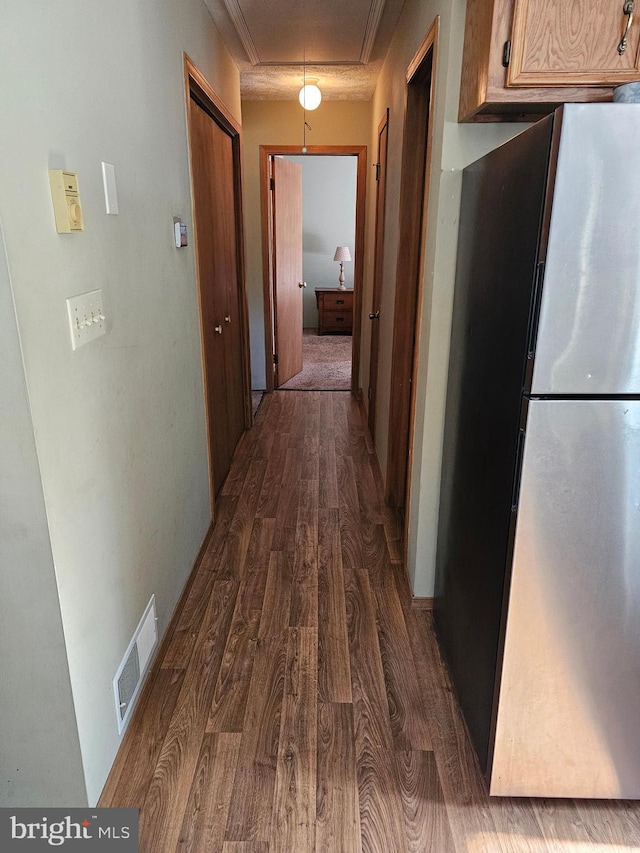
column 310, row 95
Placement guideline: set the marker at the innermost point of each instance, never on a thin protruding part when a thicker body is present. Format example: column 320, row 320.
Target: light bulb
column 310, row 97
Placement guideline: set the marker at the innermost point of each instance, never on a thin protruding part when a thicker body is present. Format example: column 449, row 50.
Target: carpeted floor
column 326, row 363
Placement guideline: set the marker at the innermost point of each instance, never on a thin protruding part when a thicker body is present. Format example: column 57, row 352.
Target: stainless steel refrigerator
column 537, row 600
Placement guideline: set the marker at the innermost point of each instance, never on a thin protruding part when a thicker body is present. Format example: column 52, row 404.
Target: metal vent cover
column 128, row 681
column 129, row 677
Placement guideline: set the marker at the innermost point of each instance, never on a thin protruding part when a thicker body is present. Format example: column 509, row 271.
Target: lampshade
column 310, row 96
column 342, row 254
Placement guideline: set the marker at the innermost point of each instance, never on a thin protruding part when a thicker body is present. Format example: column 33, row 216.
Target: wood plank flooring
column 302, row 704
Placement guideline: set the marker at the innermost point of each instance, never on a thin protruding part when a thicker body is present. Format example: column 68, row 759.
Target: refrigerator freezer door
column 589, row 331
column 500, row 221
column 569, row 696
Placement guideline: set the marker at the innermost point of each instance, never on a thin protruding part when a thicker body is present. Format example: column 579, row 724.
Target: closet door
column 218, row 249
column 226, row 217
column 378, row 267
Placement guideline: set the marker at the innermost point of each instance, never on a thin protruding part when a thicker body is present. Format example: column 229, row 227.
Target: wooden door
column 374, row 316
column 414, row 185
column 287, row 268
column 236, row 392
column 574, row 42
column 212, row 164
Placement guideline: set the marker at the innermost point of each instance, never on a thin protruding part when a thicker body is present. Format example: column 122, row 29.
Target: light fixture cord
column 304, row 99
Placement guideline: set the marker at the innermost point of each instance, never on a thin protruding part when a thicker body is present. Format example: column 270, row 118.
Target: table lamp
column 342, row 254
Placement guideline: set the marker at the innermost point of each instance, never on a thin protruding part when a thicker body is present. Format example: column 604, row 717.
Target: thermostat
column 66, row 201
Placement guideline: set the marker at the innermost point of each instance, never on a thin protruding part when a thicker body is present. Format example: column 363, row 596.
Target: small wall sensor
column 180, row 233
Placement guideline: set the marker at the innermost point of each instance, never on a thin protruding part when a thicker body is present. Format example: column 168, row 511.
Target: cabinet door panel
column 565, row 42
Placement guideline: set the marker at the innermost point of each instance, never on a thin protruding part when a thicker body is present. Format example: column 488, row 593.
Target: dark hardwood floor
column 301, row 703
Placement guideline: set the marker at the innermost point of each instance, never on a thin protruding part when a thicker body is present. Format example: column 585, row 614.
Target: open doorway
column 328, row 231
column 326, row 319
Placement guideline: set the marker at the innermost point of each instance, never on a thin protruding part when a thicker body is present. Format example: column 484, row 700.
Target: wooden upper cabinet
column 572, row 42
column 524, row 57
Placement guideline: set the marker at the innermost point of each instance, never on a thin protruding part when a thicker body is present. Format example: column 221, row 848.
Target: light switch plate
column 86, row 317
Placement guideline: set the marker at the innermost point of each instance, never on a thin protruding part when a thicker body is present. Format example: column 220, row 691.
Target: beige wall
column 454, row 146
column 40, row 760
column 281, row 123
column 119, row 424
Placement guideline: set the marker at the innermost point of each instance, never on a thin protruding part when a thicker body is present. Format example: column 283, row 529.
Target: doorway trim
column 266, row 153
column 414, row 202
column 196, row 84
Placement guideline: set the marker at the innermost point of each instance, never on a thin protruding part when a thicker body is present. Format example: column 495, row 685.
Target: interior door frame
column 266, row 153
column 414, row 202
column 196, row 83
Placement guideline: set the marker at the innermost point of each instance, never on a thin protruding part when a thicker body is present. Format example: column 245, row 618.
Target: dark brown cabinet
column 335, row 310
column 524, row 57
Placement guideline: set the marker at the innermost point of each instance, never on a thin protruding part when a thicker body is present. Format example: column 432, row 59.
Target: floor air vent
column 131, row 671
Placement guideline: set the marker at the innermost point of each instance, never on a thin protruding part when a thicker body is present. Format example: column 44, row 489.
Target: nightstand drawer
column 337, row 321
column 341, row 301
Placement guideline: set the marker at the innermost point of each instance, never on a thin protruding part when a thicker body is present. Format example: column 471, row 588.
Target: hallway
column 301, row 704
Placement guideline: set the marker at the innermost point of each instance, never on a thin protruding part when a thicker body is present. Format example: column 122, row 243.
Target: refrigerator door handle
column 534, row 311
column 517, row 476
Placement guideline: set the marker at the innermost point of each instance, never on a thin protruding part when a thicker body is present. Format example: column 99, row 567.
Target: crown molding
column 371, row 31
column 237, row 18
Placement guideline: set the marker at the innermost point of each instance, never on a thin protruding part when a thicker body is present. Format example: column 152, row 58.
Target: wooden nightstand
column 335, row 310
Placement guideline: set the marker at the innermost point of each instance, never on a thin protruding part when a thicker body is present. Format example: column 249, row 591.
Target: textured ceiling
column 341, row 42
